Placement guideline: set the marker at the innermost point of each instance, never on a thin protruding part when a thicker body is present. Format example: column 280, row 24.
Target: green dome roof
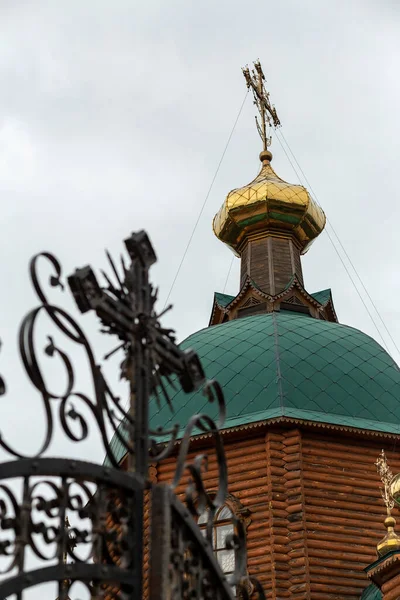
column 287, row 364
column 371, row 593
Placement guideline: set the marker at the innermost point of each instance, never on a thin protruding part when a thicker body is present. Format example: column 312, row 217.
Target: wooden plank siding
column 270, row 262
column 282, row 263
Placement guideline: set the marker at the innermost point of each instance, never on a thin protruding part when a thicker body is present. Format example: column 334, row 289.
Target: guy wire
column 205, row 200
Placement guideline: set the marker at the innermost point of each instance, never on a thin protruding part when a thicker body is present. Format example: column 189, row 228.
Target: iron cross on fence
column 182, row 562
column 127, row 311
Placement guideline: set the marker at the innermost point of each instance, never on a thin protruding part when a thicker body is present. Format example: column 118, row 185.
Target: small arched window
column 222, row 527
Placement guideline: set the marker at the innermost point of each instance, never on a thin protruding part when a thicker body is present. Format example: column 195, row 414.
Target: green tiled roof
column 371, row 593
column 223, row 299
column 289, row 364
column 323, row 296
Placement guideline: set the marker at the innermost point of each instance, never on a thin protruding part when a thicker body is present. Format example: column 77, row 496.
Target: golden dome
column 270, row 204
column 391, row 541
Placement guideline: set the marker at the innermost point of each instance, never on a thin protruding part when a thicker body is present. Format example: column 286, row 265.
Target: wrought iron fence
column 103, row 548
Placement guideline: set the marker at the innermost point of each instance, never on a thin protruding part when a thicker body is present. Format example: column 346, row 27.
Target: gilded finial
column 268, row 116
column 386, row 477
column 391, row 541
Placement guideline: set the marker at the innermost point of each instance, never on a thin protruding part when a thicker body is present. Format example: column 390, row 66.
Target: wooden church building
column 310, row 404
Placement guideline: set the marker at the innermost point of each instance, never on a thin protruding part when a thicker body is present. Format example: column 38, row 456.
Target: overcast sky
column 114, row 117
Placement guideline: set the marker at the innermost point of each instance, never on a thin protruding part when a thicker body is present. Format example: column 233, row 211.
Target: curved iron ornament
column 38, row 521
column 109, row 501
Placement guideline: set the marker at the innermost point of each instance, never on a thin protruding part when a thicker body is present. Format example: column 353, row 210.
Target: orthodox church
column 310, row 405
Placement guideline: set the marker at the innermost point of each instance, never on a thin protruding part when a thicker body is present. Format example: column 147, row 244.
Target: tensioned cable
column 344, row 250
column 229, row 272
column 332, row 242
column 206, row 198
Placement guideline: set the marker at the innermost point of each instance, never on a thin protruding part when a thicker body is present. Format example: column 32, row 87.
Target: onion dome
column 391, row 541
column 268, row 205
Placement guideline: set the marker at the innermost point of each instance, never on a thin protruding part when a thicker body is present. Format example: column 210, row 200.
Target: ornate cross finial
column 255, row 80
column 386, row 477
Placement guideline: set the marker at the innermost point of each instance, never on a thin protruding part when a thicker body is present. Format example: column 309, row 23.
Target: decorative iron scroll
column 35, row 521
column 126, row 310
column 183, row 564
column 105, row 504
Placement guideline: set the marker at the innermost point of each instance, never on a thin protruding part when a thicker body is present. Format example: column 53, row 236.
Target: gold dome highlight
column 271, row 205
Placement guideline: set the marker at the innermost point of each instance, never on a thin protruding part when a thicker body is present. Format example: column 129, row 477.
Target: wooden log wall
column 316, row 510
column 300, row 587
column 316, row 514
column 391, row 588
column 344, row 511
column 248, row 482
column 276, row 582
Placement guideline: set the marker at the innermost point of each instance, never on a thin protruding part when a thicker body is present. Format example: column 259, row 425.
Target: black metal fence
column 103, row 546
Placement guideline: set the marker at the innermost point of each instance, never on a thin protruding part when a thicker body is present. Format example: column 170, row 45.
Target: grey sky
column 114, row 115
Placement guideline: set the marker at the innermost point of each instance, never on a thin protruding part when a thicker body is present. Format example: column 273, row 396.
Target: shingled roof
column 289, row 365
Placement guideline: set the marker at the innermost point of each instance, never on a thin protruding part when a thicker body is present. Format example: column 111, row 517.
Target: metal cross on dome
column 268, row 115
